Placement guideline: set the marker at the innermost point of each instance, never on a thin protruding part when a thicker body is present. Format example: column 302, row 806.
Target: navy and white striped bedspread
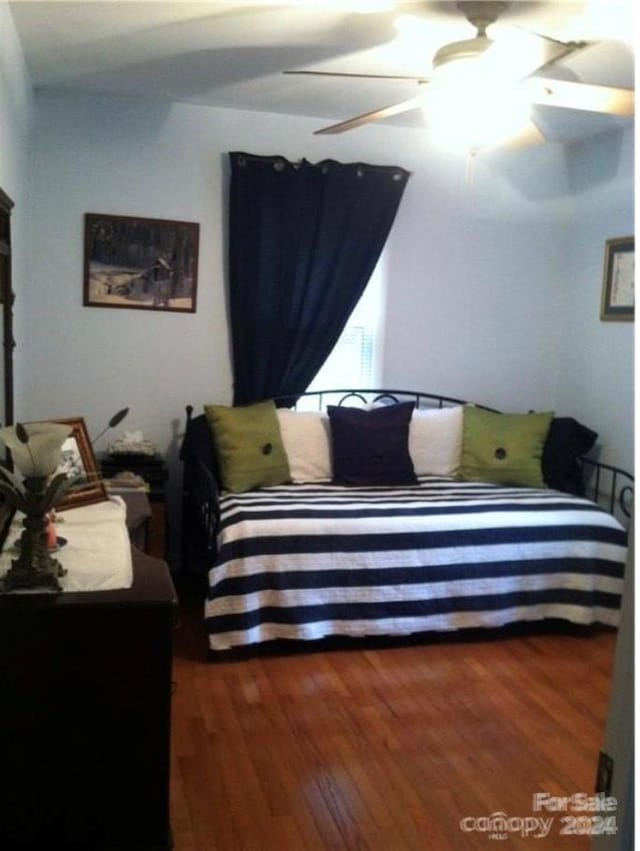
column 308, row 561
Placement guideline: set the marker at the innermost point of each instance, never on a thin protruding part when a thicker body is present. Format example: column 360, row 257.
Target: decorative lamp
column 36, row 453
column 115, row 420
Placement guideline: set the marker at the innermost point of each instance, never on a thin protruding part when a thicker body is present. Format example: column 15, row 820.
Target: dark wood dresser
column 85, row 701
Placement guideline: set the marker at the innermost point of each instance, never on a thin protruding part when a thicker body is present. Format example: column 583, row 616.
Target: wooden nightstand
column 153, row 470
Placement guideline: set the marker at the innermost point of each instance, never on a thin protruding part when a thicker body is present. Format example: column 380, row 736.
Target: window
column 355, row 361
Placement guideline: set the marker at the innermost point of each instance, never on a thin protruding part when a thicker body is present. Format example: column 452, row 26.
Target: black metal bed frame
column 609, row 486
column 369, row 397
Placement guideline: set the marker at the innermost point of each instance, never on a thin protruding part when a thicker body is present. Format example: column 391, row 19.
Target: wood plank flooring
column 382, row 748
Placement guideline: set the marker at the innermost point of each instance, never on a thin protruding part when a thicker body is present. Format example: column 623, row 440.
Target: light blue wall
column 480, row 274
column 495, row 287
column 15, row 118
column 473, row 280
column 15, row 106
column 471, row 271
column 595, row 359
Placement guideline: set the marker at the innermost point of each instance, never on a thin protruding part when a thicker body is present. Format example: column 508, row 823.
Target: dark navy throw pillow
column 566, row 441
column 371, row 447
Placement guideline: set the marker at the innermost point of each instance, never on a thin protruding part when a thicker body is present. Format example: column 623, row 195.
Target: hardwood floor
column 382, row 748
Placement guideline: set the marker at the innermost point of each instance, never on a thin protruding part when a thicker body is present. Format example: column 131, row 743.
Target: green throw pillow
column 503, row 448
column 248, row 446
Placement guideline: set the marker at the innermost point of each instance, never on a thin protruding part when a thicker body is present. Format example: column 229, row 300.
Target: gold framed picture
column 618, row 285
column 79, row 463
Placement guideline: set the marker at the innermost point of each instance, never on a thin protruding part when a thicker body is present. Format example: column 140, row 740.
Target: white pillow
column 307, row 442
column 435, row 441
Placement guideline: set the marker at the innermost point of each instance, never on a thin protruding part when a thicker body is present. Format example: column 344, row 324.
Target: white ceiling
column 231, row 53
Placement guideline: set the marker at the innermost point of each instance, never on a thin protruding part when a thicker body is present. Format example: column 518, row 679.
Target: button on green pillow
column 248, row 446
column 503, row 448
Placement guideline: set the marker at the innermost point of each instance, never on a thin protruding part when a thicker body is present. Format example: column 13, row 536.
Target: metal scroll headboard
column 611, row 487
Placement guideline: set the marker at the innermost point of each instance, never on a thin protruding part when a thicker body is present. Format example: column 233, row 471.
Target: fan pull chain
column 470, row 171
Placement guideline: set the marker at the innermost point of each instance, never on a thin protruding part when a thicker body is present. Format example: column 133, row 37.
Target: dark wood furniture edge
column 152, row 584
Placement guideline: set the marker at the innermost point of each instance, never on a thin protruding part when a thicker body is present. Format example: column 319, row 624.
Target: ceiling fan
column 480, row 65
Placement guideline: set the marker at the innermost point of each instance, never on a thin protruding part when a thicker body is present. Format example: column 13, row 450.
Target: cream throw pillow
column 307, row 442
column 435, row 441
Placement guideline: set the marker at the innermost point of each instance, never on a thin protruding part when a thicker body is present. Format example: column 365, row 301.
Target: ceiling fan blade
column 583, row 96
column 368, row 117
column 521, row 53
column 361, row 76
column 552, row 45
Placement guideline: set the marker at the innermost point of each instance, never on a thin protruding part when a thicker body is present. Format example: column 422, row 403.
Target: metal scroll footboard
column 611, row 487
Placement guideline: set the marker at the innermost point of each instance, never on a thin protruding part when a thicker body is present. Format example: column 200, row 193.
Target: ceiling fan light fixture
column 481, row 90
column 463, row 78
column 475, row 114
column 463, row 60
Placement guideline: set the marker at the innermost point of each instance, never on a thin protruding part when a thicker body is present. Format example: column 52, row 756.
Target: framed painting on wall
column 144, row 264
column 618, row 285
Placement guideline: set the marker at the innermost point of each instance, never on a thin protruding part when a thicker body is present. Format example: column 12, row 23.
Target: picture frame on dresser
column 79, row 462
column 618, row 284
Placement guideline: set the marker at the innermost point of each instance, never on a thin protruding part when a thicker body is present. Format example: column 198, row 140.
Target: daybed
column 317, row 550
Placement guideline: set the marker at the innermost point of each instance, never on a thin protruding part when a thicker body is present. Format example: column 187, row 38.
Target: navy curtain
column 304, row 239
